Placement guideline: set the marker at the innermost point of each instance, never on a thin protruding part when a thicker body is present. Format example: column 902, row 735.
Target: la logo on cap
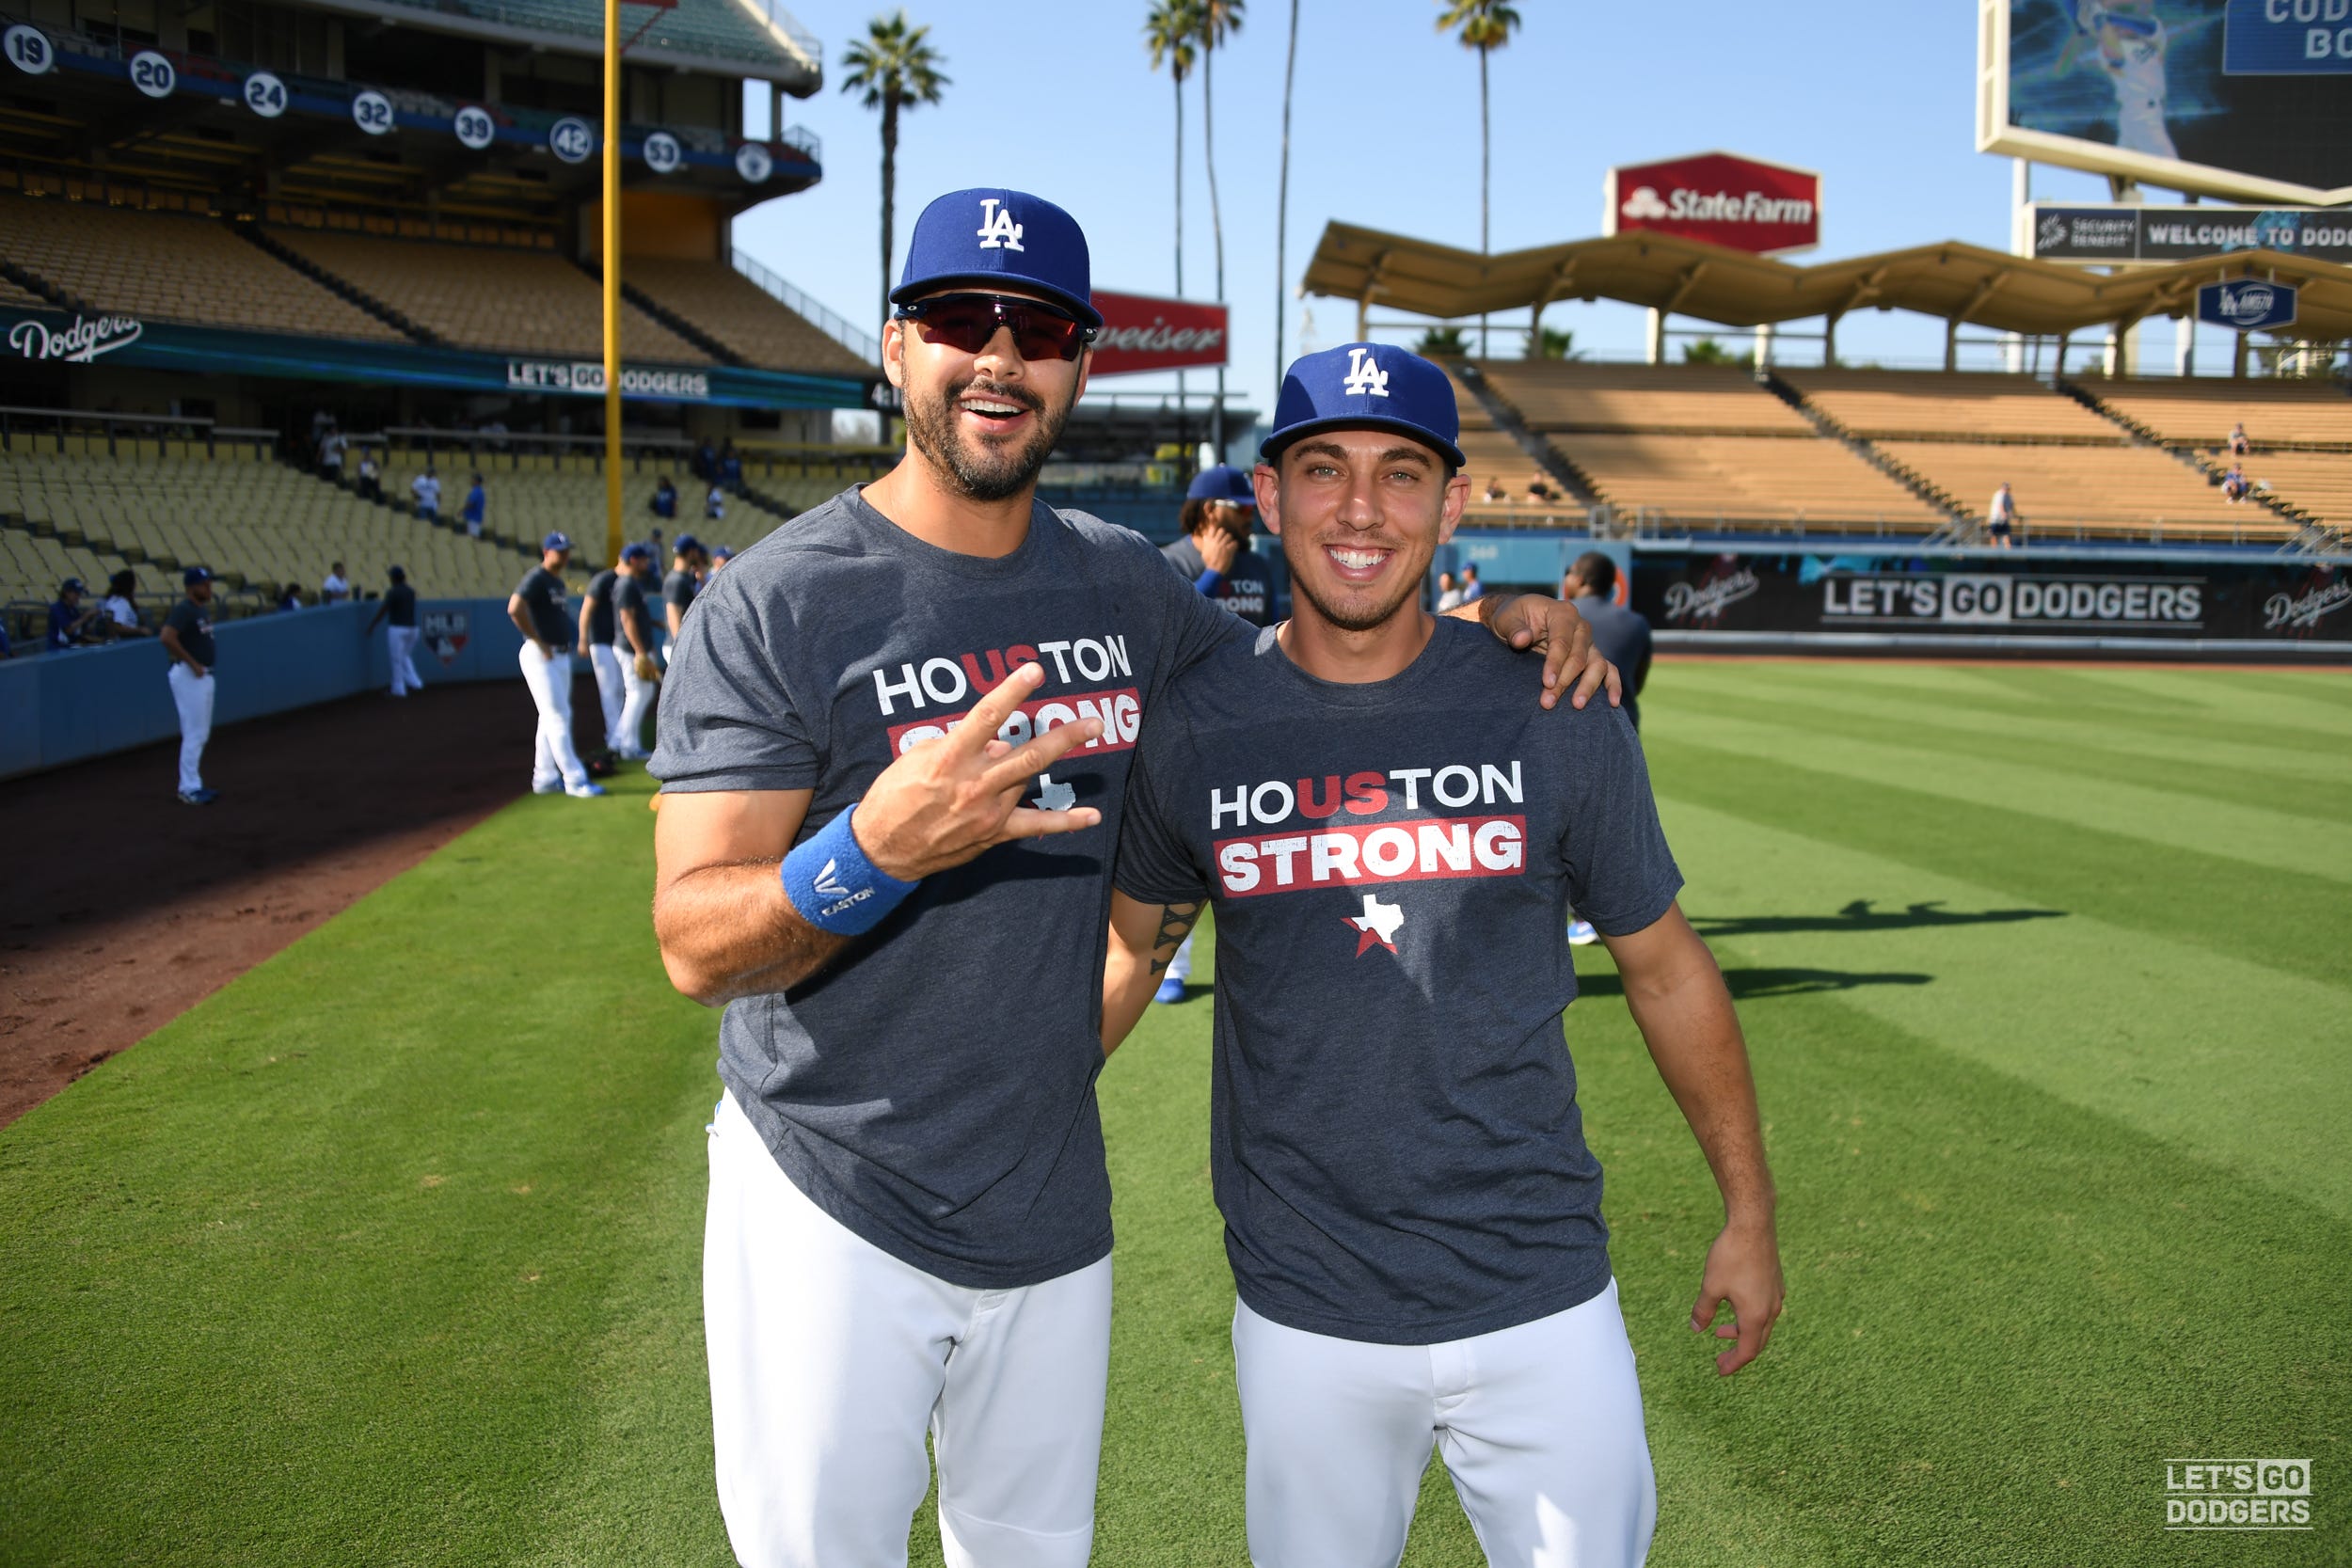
column 996, row 225
column 1364, row 374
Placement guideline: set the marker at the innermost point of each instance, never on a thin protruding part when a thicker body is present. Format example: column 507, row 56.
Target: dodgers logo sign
column 997, row 230
column 1364, row 374
column 2248, row 304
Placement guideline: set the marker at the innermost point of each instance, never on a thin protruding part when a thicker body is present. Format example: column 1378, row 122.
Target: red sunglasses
column 968, row 323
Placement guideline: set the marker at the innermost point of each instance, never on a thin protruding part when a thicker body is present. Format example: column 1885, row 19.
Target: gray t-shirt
column 193, row 623
column 680, row 589
column 629, row 593
column 544, row 600
column 600, row 608
column 1248, row 590
column 933, row 1087
column 1395, row 1140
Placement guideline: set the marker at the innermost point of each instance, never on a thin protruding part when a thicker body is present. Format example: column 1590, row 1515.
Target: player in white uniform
column 536, row 608
column 2129, row 38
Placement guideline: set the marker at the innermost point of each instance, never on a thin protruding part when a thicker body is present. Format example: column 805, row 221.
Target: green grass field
column 388, row 1253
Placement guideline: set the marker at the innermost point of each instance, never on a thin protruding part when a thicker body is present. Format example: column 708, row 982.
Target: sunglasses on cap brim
column 969, row 323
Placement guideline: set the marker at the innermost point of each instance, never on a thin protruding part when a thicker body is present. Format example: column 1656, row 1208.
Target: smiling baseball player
column 1412, row 1216
column 893, row 748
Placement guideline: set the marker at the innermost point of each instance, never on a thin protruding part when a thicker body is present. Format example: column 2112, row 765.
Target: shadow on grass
column 1860, row 916
column 1751, row 984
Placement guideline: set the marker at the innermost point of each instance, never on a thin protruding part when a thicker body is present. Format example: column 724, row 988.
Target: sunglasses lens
column 966, row 325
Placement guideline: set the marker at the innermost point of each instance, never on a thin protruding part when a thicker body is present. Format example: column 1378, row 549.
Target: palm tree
column 1219, row 19
column 1441, row 342
column 896, row 69
column 1282, row 203
column 1485, row 25
column 1548, row 342
column 1170, row 32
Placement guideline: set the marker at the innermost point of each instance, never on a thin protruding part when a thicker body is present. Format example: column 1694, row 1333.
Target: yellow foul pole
column 611, row 150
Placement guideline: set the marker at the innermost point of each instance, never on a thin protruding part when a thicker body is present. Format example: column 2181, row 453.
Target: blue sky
column 1058, row 96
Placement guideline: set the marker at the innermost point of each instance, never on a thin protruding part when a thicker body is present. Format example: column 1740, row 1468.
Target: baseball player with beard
column 894, row 742
column 1412, row 1215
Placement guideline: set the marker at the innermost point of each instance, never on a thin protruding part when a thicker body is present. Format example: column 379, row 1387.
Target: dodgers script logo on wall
column 446, row 631
column 1142, row 332
column 1770, row 209
column 78, row 345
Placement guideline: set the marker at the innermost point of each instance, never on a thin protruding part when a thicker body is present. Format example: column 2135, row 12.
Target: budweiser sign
column 1143, row 333
column 1766, row 208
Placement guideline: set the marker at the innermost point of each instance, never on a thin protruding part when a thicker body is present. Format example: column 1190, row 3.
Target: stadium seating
column 1557, row 395
column 2062, row 491
column 249, row 518
column 2199, row 411
column 480, row 296
column 1730, row 481
column 1928, row 406
column 731, row 307
column 171, row 266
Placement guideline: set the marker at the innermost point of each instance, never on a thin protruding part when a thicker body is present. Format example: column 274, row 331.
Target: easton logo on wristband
column 834, row 886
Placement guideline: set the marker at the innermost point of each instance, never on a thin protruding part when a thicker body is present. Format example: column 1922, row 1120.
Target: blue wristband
column 834, row 887
column 1206, row 582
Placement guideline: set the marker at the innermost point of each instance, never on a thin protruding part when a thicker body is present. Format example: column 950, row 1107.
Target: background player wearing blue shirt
column 1412, row 1215
column 1215, row 556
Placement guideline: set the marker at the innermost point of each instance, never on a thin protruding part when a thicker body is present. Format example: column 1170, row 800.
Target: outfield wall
column 59, row 709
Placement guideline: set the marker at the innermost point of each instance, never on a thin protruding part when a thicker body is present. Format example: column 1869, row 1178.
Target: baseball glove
column 647, row 669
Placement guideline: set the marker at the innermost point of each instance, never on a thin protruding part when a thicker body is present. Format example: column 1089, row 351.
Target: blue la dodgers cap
column 1222, row 482
column 637, row 552
column 997, row 237
column 195, row 574
column 1359, row 385
column 557, row 541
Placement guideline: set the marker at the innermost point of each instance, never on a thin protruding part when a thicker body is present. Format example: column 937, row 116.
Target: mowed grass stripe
column 2160, row 1035
column 2315, row 789
column 330, row 1269
column 2258, row 837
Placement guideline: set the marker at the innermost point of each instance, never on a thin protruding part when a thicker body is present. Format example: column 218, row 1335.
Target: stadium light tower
column 612, row 151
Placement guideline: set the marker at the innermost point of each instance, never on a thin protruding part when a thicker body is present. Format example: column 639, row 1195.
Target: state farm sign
column 1766, row 208
column 1143, row 333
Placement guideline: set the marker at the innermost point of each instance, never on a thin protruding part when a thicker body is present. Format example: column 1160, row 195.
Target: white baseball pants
column 636, row 703
column 606, row 662
column 402, row 643
column 552, row 758
column 828, row 1358
column 192, row 695
column 1540, row 1427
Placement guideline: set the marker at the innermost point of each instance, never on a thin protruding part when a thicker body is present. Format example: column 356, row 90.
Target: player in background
column 400, row 638
column 1623, row 635
column 536, row 608
column 687, row 562
column 1215, row 556
column 719, row 556
column 885, row 844
column 640, row 673
column 187, row 637
column 1412, row 1215
column 2127, row 40
column 597, row 633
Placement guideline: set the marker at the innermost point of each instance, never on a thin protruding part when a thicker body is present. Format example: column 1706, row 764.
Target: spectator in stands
column 664, row 502
column 715, row 505
column 188, row 639
column 290, row 596
column 705, row 463
column 1449, row 596
column 119, row 612
column 2001, row 516
column 1539, row 488
column 730, row 467
column 1495, row 491
column 336, row 588
column 1472, row 590
column 331, row 454
column 477, row 506
column 70, row 618
column 400, row 609
column 426, row 488
column 371, row 478
column 2233, row 483
column 2239, row 445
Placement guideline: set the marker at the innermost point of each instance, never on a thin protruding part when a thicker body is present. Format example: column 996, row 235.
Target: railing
column 833, row 325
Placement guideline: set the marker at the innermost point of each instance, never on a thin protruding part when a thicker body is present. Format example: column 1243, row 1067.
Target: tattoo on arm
column 1176, row 922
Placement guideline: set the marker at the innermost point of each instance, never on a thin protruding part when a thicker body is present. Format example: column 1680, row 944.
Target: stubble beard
column 1362, row 616
column 992, row 473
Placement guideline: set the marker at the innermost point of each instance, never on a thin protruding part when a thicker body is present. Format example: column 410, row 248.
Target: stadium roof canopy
column 749, row 38
column 1964, row 284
